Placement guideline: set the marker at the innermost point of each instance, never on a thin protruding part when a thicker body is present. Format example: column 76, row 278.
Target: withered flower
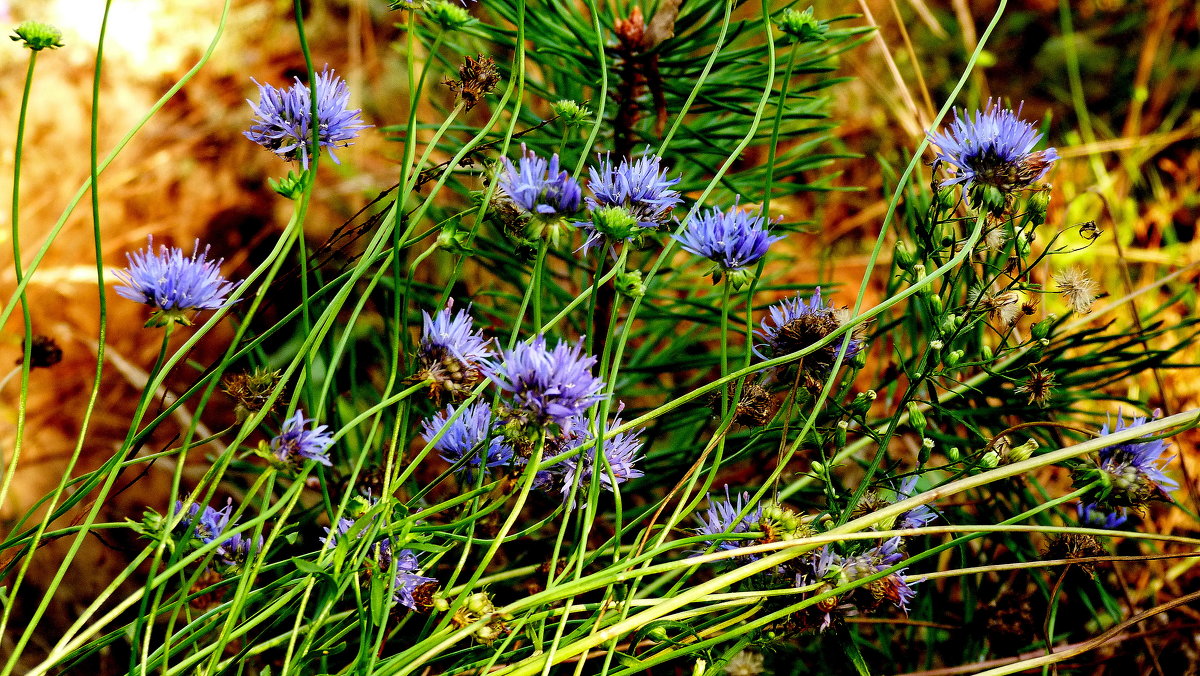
column 477, row 78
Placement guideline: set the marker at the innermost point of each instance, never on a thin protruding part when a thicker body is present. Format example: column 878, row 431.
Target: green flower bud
column 449, row 15
column 904, row 259
column 839, row 434
column 953, row 454
column 802, row 26
column 935, row 302
column 916, row 417
column 987, row 354
column 1022, row 452
column 918, row 271
column 1042, row 328
column 37, row 35
column 1038, row 204
column 454, row 239
column 629, row 283
column 990, row 460
column 862, row 402
column 479, row 604
column 290, row 186
column 739, row 278
column 927, row 445
column 818, row 467
column 570, row 113
column 951, row 360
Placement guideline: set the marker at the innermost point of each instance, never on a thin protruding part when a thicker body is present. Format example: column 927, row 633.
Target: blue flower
column 886, row 554
column 621, row 453
column 407, row 577
column 640, row 192
column 547, row 386
column 210, row 527
column 451, row 352
column 540, row 188
column 721, row 520
column 1094, row 516
column 794, row 324
column 734, row 240
column 473, row 433
column 918, row 516
column 283, row 118
column 1133, row 471
column 296, row 443
column 995, row 148
column 173, row 283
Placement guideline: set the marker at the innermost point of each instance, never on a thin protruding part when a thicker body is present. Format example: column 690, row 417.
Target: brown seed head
column 477, row 78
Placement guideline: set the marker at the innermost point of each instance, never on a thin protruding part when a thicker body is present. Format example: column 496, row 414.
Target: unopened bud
column 1022, row 452
column 862, row 402
column 1042, row 328
column 953, row 454
column 990, row 460
column 902, row 256
column 935, row 302
column 951, row 360
column 915, row 417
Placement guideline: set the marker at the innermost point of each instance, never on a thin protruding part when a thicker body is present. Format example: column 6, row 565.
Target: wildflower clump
column 283, row 119
column 174, row 284
column 210, row 526
column 409, row 588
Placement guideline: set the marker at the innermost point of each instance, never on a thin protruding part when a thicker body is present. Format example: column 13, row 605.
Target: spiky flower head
column 620, row 453
column 1131, row 472
column 172, row 283
column 1077, row 288
column 283, row 120
column 571, row 113
column 473, row 436
column 546, row 386
column 733, row 239
column 795, row 323
column 477, row 77
column 722, row 519
column 407, row 578
column 297, row 443
column 641, row 188
column 452, row 353
column 994, row 149
column 210, row 527
column 449, row 15
column 37, row 35
column 841, row 570
column 541, row 190
column 1039, row 386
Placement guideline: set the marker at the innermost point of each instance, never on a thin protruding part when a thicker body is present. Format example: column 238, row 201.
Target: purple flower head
column 472, row 435
column 621, row 453
column 540, row 188
column 794, row 324
column 451, row 352
column 173, row 283
column 283, row 118
column 721, row 520
column 296, row 443
column 547, row 386
column 1133, row 470
column 640, row 191
column 733, row 239
column 918, row 516
column 1094, row 516
column 407, row 577
column 995, row 148
column 211, row 526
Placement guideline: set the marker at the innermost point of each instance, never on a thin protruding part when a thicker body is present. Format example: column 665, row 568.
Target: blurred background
column 1115, row 82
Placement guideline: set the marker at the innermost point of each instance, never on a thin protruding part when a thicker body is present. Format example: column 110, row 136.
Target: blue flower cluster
column 722, row 519
column 451, row 353
column 540, row 188
column 838, row 570
column 210, row 527
column 172, row 283
column 620, row 454
column 283, row 120
column 1131, row 473
column 547, row 386
column 407, row 578
column 473, row 437
column 628, row 199
column 296, row 443
column 734, row 239
column 993, row 148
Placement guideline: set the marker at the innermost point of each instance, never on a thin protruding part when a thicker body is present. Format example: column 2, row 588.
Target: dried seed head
column 1039, row 386
column 477, row 78
column 1075, row 546
column 1077, row 289
column 251, row 390
column 1003, row 308
column 756, row 406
